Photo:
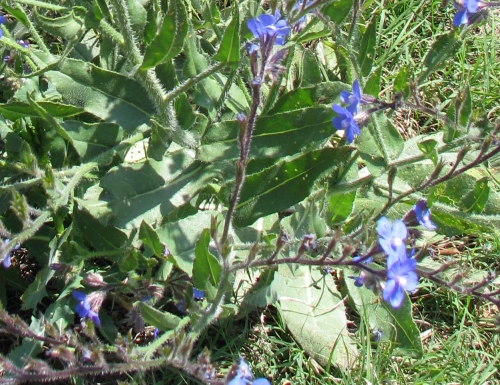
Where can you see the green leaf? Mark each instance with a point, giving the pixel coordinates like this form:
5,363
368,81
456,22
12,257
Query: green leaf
29,347
150,238
379,143
49,119
182,236
311,305
137,14
367,48
372,86
16,110
264,292
340,206
443,48
311,73
428,148
206,267
66,26
396,325
464,101
401,81
102,238
475,201
128,262
162,320
281,186
273,137
90,140
337,11
170,40
323,93
108,328
105,94
229,50
37,289
149,190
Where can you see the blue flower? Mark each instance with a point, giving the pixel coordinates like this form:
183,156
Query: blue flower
467,7
83,308
344,121
423,215
268,27
2,20
400,277
353,99
391,238
244,376
198,294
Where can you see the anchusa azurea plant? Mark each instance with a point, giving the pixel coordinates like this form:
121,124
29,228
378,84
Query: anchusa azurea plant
168,167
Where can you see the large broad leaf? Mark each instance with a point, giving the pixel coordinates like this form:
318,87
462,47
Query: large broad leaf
181,237
311,73
264,291
314,313
281,186
169,41
475,201
149,190
105,94
102,238
229,50
340,206
206,267
273,137
90,140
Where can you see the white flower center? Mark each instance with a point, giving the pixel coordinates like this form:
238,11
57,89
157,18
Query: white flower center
402,281
397,242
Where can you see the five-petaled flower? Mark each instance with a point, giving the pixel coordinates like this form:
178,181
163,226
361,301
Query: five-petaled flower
401,276
391,237
269,27
462,16
353,99
83,308
344,121
423,215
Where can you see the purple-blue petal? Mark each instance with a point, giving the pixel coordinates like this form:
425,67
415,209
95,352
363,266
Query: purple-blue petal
2,19
399,229
352,108
339,110
198,294
384,228
392,259
81,309
6,261
349,134
344,96
95,318
407,266
261,381
471,5
397,297
79,295
237,381
280,40
460,18
389,289
356,91
337,122
411,281
267,20
355,127
253,25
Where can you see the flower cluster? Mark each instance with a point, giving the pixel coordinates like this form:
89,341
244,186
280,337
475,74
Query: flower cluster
400,273
244,376
269,28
